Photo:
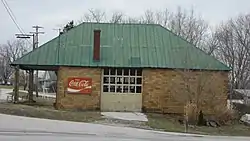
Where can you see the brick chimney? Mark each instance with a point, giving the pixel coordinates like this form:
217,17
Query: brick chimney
96,51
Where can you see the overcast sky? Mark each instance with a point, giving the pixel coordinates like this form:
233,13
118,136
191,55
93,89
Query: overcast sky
53,13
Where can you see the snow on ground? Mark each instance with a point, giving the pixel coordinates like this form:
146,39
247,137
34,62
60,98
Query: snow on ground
4,94
136,116
46,95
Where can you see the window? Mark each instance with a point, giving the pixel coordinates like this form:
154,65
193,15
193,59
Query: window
105,88
106,71
105,80
112,88
112,80
125,80
122,80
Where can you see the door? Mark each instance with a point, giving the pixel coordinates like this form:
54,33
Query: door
121,90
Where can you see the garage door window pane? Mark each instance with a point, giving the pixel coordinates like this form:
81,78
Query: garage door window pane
132,72
112,71
125,89
138,81
112,88
105,88
119,71
139,72
126,80
106,71
126,72
106,80
138,89
119,89
132,80
119,80
112,80
132,89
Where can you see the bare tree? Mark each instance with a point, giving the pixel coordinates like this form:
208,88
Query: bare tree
94,15
183,23
9,52
149,17
211,45
117,17
5,69
233,39
133,20
188,26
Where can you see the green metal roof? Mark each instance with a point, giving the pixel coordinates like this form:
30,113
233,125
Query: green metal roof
122,45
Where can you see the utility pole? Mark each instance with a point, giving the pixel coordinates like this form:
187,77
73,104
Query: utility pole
36,46
31,72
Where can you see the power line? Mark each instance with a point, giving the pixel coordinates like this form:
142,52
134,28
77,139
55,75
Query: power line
12,13
12,16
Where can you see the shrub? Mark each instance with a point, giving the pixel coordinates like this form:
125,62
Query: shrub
225,116
201,120
191,113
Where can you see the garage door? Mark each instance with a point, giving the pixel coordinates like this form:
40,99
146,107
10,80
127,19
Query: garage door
121,90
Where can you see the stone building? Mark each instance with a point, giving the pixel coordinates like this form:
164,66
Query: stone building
129,67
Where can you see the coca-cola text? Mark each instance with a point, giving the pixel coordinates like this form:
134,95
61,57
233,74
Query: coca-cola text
77,83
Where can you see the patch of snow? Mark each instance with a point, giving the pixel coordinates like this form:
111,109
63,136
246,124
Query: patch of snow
246,119
234,101
47,95
136,116
4,94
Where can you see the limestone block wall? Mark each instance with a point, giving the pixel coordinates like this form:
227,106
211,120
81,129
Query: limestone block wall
167,91
78,101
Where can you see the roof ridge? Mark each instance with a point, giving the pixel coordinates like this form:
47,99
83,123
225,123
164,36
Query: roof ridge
122,23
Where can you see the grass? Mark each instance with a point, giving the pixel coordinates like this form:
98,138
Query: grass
170,124
43,108
39,111
6,87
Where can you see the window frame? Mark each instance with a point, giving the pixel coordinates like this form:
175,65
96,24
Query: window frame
125,87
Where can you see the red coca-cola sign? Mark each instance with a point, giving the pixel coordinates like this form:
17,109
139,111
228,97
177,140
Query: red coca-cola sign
79,85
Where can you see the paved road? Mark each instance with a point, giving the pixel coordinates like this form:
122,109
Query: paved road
14,128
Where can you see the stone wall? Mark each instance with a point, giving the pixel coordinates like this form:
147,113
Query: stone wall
167,91
78,101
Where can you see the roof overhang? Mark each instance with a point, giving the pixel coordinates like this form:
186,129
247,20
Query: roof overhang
36,67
